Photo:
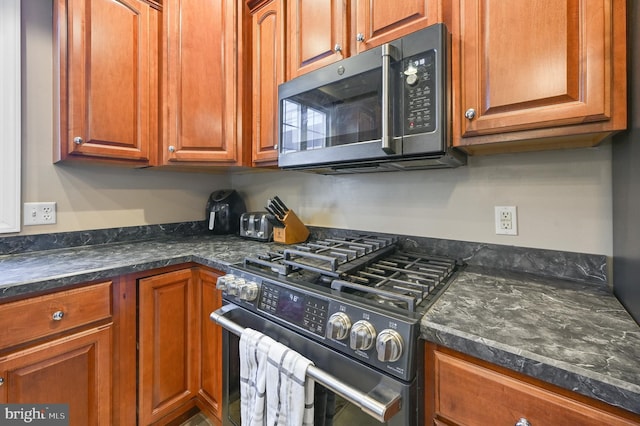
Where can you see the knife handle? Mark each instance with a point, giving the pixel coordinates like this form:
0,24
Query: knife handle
276,208
282,205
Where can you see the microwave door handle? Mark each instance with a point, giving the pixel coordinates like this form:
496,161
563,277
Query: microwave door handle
387,53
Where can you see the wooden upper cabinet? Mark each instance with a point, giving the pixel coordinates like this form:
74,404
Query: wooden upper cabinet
320,32
200,77
106,79
538,69
317,34
380,21
267,30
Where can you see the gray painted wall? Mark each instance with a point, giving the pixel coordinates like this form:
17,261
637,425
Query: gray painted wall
626,183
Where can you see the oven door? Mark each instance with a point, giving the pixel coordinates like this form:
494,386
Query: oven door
361,395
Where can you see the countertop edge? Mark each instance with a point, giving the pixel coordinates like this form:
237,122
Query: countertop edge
24,289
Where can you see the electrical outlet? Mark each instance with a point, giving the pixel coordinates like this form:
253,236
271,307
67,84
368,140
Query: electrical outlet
506,220
39,213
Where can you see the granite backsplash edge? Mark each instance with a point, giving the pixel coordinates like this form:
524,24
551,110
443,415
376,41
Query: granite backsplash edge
581,267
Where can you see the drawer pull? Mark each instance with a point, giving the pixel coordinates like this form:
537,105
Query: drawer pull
57,315
523,422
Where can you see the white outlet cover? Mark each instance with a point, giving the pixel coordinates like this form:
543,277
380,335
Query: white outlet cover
39,213
502,228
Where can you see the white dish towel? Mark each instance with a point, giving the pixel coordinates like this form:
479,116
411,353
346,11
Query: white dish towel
254,350
289,390
273,376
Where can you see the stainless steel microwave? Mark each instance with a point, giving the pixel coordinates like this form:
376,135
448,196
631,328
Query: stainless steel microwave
385,109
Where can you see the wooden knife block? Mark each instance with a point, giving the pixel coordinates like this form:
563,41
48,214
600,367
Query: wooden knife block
293,232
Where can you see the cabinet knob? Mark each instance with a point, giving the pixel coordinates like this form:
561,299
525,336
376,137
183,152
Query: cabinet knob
337,48
77,140
57,316
172,148
360,37
523,422
1,381
470,114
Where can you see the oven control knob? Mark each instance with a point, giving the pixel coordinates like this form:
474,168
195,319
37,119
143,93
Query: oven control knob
223,280
363,335
233,286
338,326
248,291
389,345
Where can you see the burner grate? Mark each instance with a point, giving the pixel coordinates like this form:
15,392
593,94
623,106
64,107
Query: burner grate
366,266
270,260
332,257
404,280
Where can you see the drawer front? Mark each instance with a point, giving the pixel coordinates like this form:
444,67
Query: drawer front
37,317
468,394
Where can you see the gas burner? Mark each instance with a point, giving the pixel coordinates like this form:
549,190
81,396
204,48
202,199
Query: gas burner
388,301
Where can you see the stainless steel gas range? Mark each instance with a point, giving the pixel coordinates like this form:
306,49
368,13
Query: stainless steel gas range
352,306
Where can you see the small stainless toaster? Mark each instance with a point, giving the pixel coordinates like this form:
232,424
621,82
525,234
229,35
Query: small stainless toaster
256,226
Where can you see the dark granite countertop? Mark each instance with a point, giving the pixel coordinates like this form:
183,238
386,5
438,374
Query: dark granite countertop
25,273
576,336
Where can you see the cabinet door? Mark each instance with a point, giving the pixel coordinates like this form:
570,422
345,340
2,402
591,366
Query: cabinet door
537,65
200,80
460,388
379,21
316,33
74,370
268,72
107,87
168,333
211,341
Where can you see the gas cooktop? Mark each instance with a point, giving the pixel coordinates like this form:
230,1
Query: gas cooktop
369,267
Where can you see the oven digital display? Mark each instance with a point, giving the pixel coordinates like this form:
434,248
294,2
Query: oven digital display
302,310
291,306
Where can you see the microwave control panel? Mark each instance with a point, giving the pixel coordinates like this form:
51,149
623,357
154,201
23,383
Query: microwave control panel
419,80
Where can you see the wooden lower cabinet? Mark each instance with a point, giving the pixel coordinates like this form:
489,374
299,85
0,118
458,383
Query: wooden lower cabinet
74,370
178,354
57,349
138,349
461,390
168,333
210,393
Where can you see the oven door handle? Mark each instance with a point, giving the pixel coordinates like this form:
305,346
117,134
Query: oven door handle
381,411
